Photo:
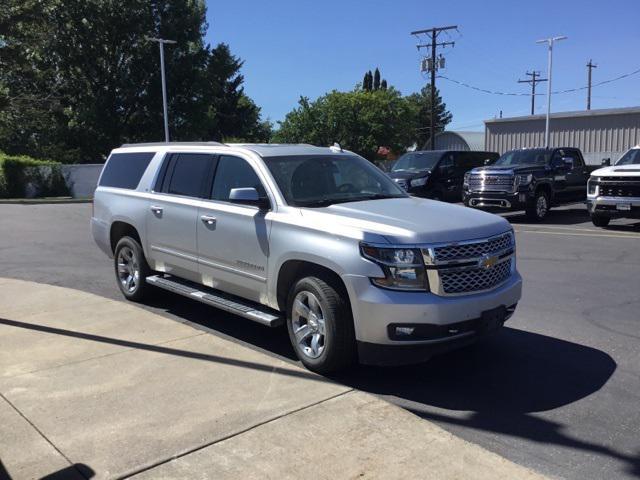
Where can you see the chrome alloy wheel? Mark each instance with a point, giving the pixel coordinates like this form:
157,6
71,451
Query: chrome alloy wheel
128,269
541,206
307,320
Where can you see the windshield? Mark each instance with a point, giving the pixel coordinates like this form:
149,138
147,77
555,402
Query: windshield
416,161
318,181
632,157
524,157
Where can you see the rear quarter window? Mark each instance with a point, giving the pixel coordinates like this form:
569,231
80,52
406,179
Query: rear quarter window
124,170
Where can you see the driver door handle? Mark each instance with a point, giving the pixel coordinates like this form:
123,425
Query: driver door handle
208,219
155,209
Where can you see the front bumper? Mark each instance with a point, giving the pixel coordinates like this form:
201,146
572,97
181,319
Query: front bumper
441,323
608,206
497,200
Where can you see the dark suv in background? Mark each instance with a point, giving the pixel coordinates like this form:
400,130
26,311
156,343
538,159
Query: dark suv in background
532,180
437,174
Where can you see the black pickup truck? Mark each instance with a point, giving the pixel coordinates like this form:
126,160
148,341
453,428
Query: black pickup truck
532,180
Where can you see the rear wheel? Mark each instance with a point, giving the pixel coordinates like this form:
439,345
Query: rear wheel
131,269
600,220
320,325
538,209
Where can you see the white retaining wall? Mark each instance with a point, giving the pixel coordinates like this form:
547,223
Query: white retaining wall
82,179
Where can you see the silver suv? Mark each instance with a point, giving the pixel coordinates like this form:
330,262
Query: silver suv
317,238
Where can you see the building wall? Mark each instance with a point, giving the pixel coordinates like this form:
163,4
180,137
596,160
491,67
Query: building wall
462,141
597,135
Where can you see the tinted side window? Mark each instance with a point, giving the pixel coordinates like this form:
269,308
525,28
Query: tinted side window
234,172
124,170
189,174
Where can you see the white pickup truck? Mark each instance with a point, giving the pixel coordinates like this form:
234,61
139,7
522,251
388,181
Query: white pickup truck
614,191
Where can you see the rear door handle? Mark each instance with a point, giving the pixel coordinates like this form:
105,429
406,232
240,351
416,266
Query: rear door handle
208,219
155,209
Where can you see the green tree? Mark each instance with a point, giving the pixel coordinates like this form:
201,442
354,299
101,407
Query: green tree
421,105
359,120
78,77
376,80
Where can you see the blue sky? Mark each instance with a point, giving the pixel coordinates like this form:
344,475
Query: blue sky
304,47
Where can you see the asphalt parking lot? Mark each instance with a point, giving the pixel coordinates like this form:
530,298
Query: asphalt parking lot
557,390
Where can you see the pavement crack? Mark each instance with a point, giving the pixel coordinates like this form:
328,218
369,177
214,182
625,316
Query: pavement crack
44,437
235,434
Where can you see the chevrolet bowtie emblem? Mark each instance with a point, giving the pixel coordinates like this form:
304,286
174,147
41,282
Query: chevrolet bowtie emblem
487,261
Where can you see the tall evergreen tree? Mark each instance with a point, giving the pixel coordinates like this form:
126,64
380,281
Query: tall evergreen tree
421,102
383,84
376,80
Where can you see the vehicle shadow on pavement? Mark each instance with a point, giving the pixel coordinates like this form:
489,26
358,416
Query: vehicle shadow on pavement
497,385
573,215
78,471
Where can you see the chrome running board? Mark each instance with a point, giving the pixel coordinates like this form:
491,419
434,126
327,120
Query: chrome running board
215,298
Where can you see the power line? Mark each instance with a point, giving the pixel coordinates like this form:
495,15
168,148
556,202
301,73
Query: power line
433,35
535,78
514,94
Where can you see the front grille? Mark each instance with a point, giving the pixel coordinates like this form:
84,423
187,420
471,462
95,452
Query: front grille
474,250
491,182
470,267
475,280
401,182
619,190
621,179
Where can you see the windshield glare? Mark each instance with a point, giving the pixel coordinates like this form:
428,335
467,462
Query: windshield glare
524,157
415,161
311,180
632,157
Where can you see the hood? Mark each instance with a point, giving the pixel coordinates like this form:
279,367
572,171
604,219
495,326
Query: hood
406,175
509,169
407,221
621,171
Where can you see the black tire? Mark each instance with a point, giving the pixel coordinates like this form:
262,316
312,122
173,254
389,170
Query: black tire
600,220
338,342
534,210
137,268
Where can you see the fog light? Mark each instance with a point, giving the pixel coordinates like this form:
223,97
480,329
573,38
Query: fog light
404,331
523,197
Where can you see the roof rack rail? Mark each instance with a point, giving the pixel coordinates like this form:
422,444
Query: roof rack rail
160,144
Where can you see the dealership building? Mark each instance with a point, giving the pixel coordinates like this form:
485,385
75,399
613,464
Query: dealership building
599,134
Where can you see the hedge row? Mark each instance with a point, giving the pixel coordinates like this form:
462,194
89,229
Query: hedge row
22,176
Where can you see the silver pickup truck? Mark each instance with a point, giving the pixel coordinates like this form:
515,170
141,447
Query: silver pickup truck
317,238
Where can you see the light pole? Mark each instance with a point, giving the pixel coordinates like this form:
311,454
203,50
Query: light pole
549,41
161,42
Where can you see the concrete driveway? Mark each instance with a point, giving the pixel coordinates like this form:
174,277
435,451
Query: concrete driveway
94,388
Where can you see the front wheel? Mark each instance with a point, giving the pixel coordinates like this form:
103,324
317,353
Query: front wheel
320,325
538,209
131,269
600,220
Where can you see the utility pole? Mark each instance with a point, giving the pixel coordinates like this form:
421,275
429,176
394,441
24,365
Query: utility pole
549,41
535,78
590,66
433,34
161,42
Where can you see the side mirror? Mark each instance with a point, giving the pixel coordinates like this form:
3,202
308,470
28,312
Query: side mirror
559,163
248,196
606,162
568,161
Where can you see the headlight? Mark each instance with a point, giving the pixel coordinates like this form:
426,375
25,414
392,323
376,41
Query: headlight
465,182
524,179
592,185
403,267
419,182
